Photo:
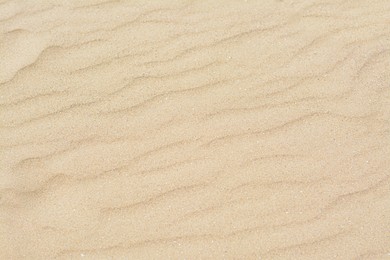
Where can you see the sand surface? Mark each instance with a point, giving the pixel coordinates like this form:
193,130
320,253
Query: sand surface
195,129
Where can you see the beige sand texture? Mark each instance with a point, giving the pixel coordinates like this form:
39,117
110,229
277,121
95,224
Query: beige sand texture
195,129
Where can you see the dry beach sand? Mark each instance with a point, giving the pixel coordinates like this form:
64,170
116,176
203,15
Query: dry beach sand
195,129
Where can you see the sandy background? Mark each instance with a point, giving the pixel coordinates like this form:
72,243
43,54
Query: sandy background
195,129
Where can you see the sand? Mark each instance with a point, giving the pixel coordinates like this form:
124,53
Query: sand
195,129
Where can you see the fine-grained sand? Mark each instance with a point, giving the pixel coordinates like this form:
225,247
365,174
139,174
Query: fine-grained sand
195,129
